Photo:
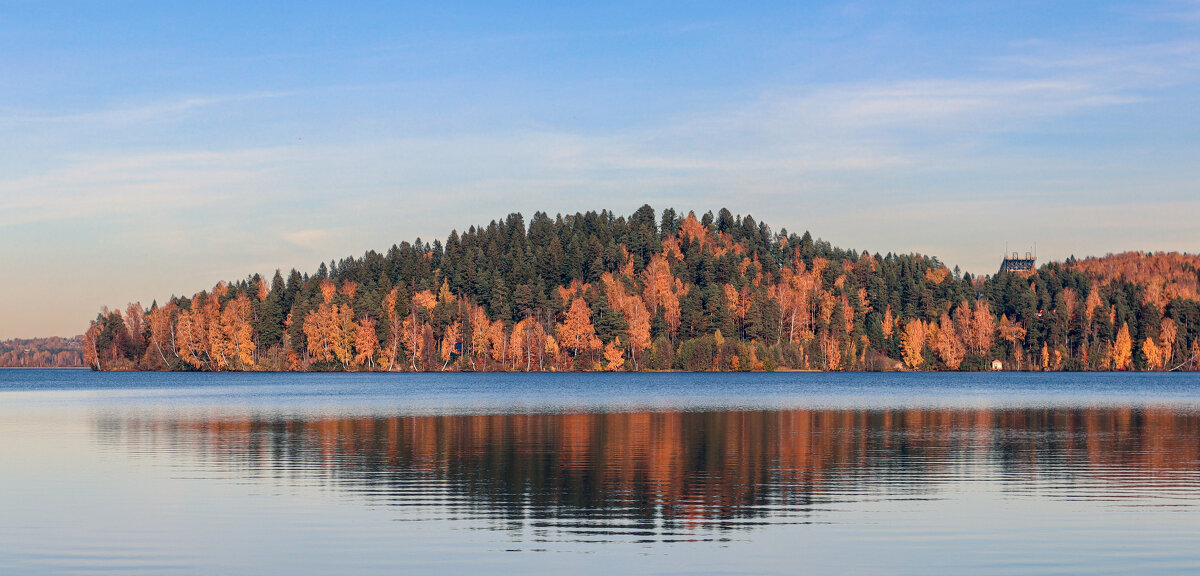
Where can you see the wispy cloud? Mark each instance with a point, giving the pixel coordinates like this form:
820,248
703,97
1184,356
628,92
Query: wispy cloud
133,184
961,104
147,112
784,140
775,142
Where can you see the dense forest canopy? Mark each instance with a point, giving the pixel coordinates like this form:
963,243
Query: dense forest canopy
597,291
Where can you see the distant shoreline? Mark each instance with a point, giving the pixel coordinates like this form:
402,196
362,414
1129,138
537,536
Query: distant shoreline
45,368
582,372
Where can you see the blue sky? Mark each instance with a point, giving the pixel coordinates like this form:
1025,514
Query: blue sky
151,149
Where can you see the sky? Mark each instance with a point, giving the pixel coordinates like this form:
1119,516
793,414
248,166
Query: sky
151,149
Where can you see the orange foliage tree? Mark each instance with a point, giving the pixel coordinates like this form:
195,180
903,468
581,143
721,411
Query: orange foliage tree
982,329
1122,349
237,333
576,332
912,343
366,343
947,344
450,343
1154,355
614,356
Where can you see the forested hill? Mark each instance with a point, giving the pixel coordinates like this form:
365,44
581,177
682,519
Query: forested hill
598,291
54,352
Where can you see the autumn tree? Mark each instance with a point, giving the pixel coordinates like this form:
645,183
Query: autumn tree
236,332
162,334
576,332
343,332
1013,333
1153,354
366,343
947,344
662,291
614,356
191,338
635,314
413,336
395,329
450,343
1122,349
91,352
981,330
912,343
320,331
832,352
1168,332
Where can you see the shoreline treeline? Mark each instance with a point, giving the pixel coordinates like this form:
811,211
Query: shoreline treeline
596,291
52,352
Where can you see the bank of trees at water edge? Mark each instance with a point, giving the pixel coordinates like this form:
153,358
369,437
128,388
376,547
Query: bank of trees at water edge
596,291
52,352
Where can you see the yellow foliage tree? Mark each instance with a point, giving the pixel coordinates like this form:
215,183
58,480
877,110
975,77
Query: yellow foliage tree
424,300
1012,332
219,347
343,334
833,353
1154,355
1167,334
412,337
366,343
237,332
450,343
391,350
947,344
162,339
498,341
576,332
614,357
663,290
1122,349
191,340
327,290
479,335
552,350
912,343
319,326
982,330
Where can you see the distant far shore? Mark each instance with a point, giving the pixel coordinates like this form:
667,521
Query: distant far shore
50,368
780,370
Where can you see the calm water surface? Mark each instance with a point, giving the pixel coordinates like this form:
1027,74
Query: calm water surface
596,474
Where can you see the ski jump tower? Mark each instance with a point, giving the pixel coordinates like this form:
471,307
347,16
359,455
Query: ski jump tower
1016,264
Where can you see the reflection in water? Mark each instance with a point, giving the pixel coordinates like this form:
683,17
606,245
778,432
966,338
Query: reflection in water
663,476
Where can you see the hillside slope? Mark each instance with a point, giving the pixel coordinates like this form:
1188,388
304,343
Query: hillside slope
596,291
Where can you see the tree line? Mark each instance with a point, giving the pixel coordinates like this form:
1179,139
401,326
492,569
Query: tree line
598,291
53,352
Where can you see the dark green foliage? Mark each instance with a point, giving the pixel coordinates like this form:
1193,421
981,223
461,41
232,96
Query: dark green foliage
514,270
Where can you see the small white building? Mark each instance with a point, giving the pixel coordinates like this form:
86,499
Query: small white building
997,365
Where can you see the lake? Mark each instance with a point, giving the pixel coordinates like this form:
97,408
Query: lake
780,473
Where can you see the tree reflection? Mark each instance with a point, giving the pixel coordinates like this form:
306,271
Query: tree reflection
662,473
